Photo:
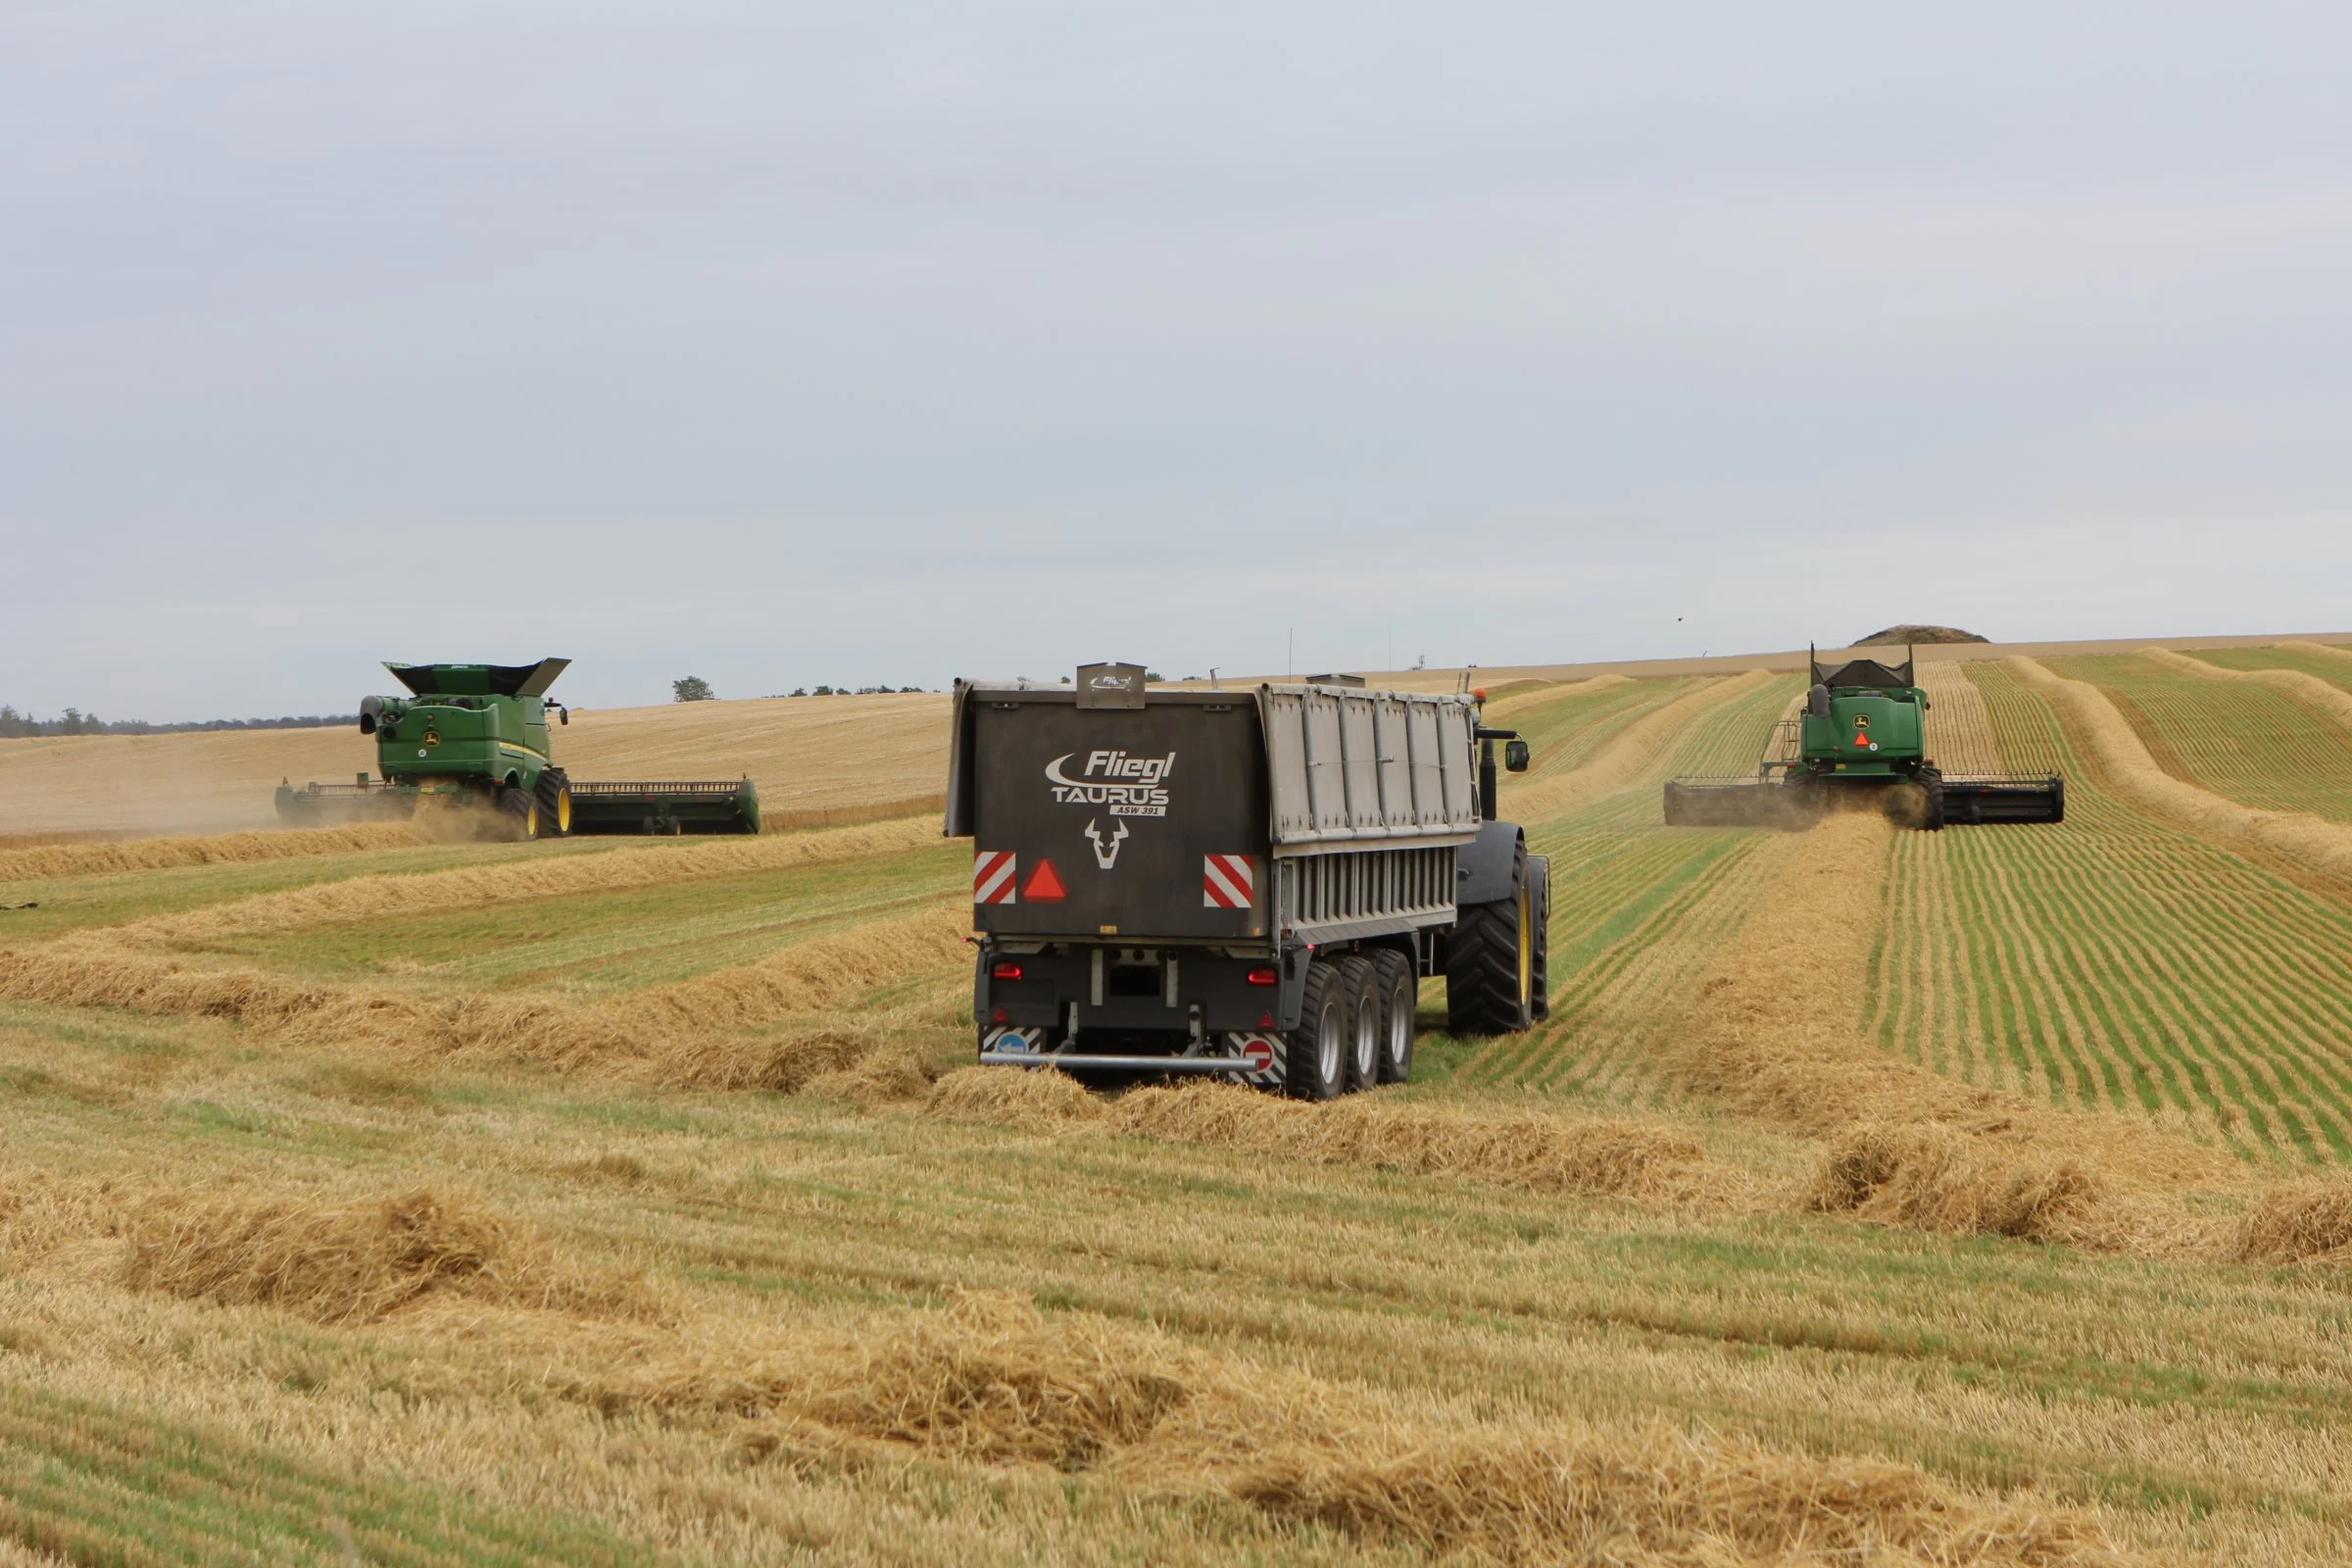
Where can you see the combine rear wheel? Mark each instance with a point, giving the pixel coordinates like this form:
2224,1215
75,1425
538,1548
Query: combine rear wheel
554,801
1400,993
1315,1053
1490,961
522,812
1931,780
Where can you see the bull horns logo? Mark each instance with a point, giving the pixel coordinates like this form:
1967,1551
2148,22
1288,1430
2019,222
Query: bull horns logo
1106,854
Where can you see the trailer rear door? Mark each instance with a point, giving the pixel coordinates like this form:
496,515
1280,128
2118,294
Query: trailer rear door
1141,823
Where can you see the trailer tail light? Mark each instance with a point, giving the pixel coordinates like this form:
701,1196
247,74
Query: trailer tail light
1264,975
1004,969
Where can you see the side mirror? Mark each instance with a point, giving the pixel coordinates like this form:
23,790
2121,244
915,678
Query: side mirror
1514,757
562,715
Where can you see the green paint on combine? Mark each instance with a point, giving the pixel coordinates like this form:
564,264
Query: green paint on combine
1864,728
475,738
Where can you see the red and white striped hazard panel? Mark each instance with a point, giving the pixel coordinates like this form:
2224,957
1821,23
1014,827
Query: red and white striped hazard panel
1228,881
992,876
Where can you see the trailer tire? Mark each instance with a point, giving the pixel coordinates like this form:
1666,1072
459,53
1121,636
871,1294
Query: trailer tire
1490,961
522,808
1315,1055
555,803
1400,991
1363,1023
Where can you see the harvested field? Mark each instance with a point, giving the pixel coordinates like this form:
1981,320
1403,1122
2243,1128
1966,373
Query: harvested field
1868,1196
817,759
2262,739
2123,960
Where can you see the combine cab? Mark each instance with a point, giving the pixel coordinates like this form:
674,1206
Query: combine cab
474,737
1864,729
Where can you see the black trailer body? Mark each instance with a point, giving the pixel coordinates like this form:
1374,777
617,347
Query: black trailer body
1173,880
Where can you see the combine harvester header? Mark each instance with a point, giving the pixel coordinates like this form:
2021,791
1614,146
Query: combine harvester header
1864,728
477,735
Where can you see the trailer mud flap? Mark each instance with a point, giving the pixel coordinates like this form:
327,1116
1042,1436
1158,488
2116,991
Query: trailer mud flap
1263,1053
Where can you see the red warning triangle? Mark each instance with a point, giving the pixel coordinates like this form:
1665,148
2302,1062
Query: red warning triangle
1044,884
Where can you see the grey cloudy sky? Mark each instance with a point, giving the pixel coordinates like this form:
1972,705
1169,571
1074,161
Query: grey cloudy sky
783,343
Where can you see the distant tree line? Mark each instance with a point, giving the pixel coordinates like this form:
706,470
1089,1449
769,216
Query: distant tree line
695,689
15,725
846,691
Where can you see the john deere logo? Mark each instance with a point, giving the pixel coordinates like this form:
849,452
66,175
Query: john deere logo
432,737
1860,723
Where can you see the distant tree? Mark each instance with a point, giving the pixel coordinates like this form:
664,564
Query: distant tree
800,691
693,689
1154,674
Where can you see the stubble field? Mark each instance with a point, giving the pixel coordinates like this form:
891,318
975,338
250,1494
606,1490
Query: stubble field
1868,1196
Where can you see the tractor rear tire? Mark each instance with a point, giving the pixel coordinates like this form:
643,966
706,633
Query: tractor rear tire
1400,991
521,810
555,803
1490,959
1538,905
1363,1023
1315,1055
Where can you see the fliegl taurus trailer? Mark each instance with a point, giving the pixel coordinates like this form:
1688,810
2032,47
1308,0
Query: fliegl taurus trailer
1248,884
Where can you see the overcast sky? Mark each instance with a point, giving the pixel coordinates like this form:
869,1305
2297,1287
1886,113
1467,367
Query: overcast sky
782,343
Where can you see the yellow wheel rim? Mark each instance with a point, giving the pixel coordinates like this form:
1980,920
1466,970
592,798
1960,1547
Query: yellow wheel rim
531,821
1527,950
562,810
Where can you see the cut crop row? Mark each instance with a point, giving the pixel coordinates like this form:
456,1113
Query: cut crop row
2119,961
1634,906
2239,739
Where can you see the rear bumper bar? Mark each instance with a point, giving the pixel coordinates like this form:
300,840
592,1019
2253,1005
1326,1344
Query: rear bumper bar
1085,1063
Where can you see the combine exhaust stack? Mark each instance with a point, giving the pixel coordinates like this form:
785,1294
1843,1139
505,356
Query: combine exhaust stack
1864,729
702,805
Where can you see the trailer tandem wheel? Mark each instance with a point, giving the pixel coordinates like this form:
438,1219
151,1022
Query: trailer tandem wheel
1400,993
1363,1025
1315,1053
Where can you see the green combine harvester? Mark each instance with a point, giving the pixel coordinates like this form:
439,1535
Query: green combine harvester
1864,728
476,737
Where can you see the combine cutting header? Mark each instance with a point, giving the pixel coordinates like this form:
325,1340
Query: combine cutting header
477,735
1864,727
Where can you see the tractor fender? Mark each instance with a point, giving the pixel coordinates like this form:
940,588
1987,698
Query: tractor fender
1482,870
